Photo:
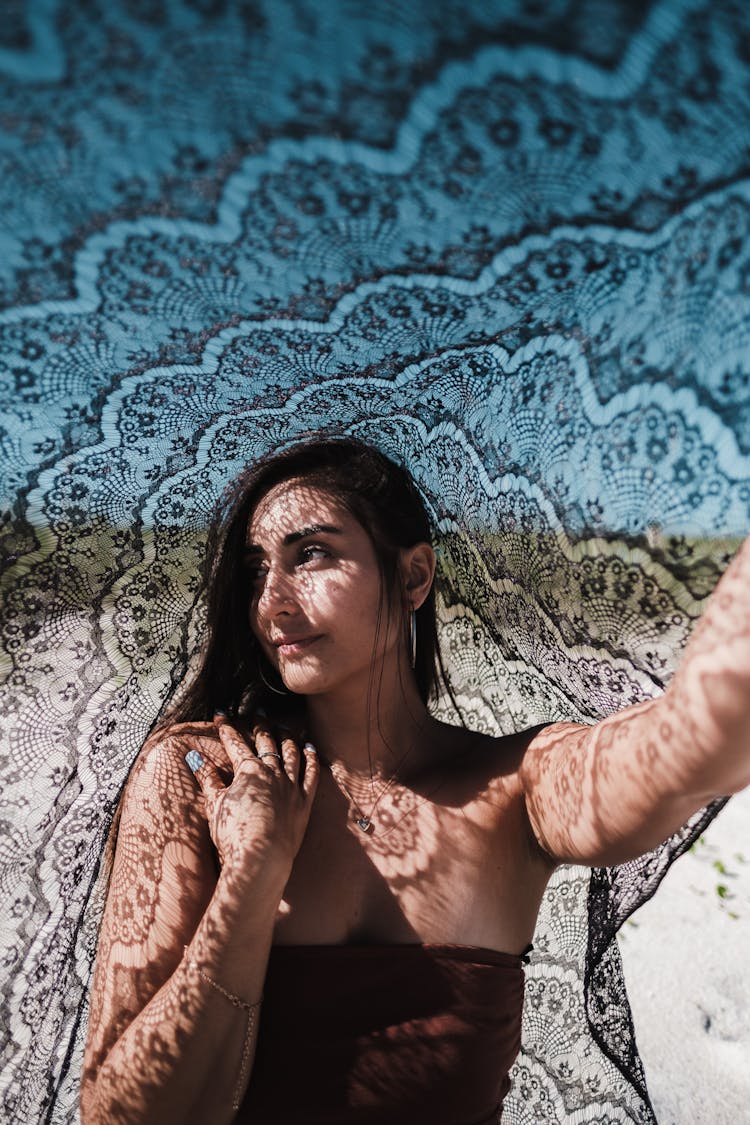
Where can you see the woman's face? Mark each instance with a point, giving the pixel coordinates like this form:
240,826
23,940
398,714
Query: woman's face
316,591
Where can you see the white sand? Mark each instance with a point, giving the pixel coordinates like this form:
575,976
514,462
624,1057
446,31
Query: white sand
687,964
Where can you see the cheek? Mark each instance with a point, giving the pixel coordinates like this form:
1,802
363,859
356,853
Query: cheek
352,594
324,595
365,609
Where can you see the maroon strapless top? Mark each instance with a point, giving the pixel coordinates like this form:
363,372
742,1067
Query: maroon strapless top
403,1034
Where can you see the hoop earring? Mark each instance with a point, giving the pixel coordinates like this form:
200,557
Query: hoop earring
413,637
275,690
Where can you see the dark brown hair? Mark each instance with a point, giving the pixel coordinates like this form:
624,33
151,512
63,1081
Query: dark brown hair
233,674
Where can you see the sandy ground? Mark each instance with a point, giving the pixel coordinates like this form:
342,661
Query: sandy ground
687,964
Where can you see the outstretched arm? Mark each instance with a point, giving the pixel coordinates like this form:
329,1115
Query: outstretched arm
603,794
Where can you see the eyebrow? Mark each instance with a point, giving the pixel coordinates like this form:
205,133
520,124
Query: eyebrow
295,536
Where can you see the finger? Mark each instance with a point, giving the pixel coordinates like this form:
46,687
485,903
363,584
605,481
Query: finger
290,754
312,770
209,746
266,748
205,773
237,748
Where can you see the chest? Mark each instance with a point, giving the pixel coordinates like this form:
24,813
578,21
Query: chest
434,868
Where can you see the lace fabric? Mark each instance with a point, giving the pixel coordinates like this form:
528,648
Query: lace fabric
506,242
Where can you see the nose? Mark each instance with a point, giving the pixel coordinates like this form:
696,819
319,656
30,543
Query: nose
276,595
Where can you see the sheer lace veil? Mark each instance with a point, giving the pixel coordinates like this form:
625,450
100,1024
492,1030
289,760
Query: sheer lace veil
505,242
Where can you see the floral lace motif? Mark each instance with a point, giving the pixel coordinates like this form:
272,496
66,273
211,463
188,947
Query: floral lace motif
507,242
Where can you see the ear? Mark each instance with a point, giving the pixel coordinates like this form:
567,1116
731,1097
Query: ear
417,566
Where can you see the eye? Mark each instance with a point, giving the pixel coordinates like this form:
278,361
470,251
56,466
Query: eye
255,571
311,552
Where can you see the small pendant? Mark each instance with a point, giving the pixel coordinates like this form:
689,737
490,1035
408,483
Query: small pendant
364,823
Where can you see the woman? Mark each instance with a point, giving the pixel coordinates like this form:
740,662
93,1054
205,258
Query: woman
369,873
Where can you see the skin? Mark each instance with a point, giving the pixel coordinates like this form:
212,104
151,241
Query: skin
254,851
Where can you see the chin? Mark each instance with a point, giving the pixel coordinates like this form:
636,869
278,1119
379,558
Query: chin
303,683
312,683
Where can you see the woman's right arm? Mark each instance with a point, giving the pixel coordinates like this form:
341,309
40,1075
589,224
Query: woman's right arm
166,1043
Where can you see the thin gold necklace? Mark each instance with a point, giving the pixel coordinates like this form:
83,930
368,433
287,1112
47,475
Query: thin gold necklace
365,821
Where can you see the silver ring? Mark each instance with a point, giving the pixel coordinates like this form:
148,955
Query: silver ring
270,754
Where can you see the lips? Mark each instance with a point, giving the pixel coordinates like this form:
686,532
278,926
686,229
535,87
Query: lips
290,646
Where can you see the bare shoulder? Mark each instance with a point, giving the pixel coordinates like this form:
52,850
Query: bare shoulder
484,765
489,789
162,807
171,743
160,767
161,828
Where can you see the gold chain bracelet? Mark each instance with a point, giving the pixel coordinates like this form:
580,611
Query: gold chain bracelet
251,1010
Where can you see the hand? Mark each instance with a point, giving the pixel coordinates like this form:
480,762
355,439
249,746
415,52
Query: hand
257,820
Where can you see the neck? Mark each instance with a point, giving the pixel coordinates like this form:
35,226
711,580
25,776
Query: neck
369,734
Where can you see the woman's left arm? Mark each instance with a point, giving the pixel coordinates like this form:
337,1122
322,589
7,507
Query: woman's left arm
603,794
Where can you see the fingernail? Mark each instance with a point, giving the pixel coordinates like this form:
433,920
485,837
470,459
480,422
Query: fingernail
194,760
309,746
